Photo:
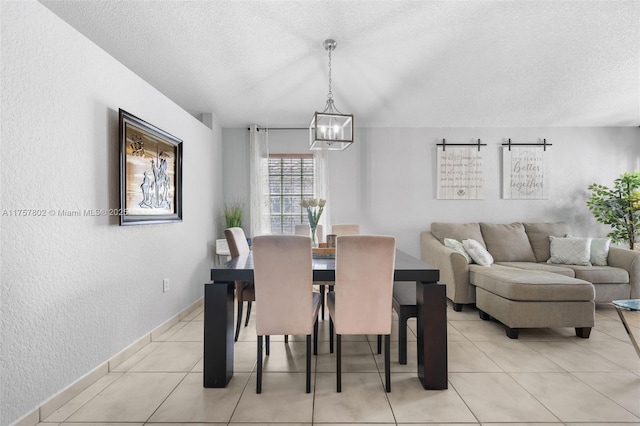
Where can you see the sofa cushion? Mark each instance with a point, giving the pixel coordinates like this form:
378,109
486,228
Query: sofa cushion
570,251
601,274
457,231
538,234
507,243
549,267
479,254
518,284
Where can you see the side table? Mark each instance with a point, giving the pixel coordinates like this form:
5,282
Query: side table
628,305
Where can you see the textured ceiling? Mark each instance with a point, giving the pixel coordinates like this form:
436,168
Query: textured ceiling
398,63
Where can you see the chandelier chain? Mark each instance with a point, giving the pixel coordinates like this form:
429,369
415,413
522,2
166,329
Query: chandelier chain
330,94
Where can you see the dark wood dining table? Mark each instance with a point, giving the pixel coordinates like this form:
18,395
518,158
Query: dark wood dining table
431,320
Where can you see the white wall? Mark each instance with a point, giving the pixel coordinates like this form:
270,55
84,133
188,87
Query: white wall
386,180
235,179
77,290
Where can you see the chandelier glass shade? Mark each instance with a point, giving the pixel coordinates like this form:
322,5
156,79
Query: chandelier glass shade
330,129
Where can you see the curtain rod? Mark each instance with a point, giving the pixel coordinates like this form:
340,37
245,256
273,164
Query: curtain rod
280,128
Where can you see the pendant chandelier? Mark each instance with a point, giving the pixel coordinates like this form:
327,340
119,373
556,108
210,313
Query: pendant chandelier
330,129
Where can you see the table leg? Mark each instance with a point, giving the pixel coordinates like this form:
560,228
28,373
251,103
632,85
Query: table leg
626,327
432,335
218,334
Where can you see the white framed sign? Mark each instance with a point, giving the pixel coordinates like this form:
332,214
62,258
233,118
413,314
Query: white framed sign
524,173
460,173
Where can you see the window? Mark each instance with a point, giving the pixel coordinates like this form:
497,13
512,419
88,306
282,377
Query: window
290,180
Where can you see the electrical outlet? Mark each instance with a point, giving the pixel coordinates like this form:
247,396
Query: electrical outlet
165,285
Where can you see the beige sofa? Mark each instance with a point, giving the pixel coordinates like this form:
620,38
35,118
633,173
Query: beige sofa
520,289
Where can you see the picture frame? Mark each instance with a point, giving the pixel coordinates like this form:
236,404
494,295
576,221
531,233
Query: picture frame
150,173
525,173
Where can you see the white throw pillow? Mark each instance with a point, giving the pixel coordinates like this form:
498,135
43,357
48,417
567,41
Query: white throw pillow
570,251
478,253
600,251
457,246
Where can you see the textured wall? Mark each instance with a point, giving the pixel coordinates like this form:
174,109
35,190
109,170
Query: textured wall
386,180
76,290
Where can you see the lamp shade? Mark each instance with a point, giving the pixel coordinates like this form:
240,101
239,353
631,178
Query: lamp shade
330,130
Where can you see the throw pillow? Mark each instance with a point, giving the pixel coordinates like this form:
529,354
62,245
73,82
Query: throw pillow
457,246
478,253
600,251
570,251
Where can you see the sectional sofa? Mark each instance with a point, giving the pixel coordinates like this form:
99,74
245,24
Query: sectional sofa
532,274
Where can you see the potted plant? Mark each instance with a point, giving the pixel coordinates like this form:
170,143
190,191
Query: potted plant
619,207
233,215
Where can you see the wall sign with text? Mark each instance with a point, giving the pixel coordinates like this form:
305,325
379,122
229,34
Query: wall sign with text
460,173
524,173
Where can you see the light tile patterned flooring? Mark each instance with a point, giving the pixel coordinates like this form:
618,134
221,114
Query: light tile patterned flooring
546,377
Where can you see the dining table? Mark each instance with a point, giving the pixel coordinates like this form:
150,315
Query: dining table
431,321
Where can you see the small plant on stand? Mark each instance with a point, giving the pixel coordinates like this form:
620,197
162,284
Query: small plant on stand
233,215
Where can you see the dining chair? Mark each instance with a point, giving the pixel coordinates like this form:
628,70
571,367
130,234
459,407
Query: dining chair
345,229
286,303
349,229
361,301
305,230
245,292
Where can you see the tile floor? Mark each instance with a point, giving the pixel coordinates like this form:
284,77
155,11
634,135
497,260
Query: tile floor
546,377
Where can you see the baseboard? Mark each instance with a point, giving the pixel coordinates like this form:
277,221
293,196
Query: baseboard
28,419
124,354
56,401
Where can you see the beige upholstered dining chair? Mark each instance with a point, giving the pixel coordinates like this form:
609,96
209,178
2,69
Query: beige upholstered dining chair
305,231
361,302
346,229
237,241
286,303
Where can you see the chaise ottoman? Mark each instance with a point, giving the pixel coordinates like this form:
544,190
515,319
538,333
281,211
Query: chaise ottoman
529,298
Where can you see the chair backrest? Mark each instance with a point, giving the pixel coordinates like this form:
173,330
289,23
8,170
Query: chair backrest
283,279
237,241
364,284
305,231
346,229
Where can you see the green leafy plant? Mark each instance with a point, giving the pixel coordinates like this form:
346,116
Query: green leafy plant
619,207
233,215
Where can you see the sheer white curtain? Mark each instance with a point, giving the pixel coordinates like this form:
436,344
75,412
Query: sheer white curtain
321,181
259,181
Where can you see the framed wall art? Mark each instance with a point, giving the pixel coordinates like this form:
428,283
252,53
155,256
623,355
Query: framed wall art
460,171
150,173
524,171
